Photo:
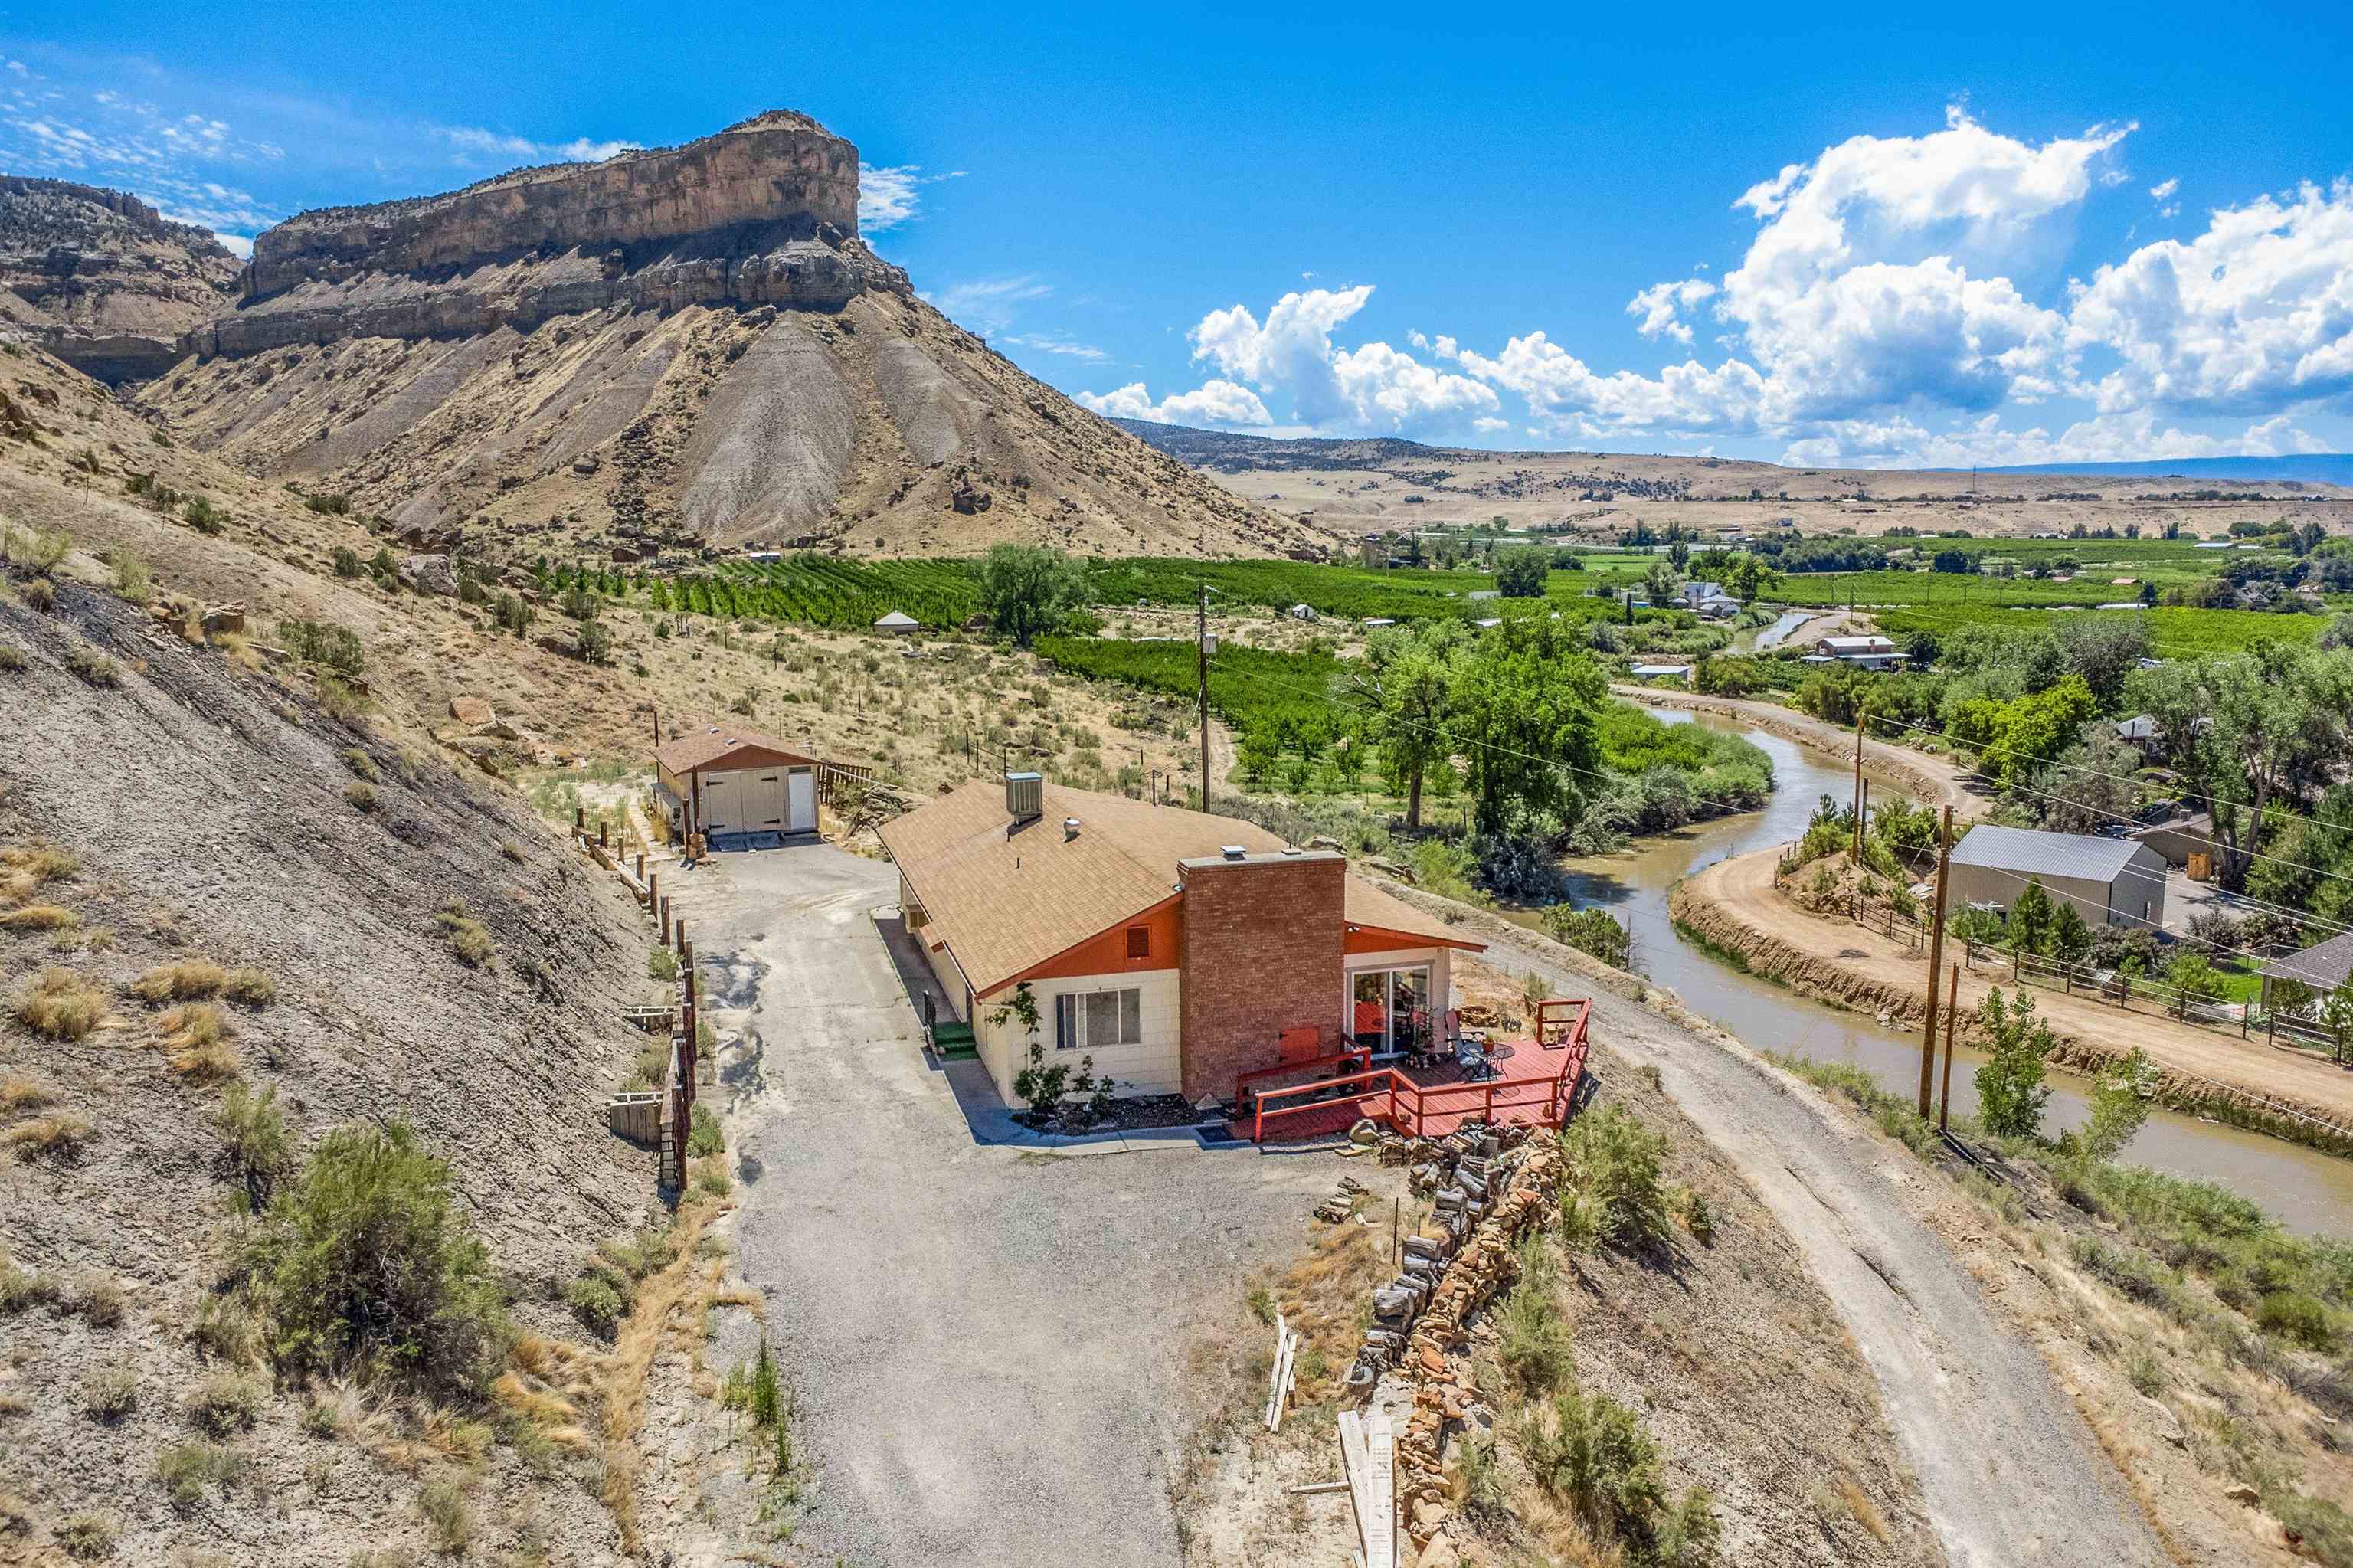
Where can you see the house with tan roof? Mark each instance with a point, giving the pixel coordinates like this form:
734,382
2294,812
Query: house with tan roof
1178,949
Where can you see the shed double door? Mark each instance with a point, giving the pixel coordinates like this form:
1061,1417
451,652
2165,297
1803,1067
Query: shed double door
760,801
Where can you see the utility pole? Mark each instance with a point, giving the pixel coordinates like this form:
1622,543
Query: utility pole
1952,1012
1857,850
1201,646
1936,962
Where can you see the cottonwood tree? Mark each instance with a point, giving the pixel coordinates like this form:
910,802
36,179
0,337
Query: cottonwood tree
1745,577
1524,714
1404,691
1520,574
2250,732
1028,589
2091,784
2010,1091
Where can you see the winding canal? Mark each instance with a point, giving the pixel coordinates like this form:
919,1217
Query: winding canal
2310,1192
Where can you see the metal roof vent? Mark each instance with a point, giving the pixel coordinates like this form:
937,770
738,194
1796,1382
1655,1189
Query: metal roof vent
1069,829
1025,797
1232,852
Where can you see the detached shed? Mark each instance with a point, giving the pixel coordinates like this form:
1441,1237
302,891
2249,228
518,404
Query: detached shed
735,781
2111,881
898,623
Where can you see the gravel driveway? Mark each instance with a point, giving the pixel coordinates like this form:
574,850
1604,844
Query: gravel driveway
982,1339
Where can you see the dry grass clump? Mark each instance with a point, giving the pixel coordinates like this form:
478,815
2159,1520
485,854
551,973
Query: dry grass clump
59,1136
198,1039
19,1093
93,667
87,1537
59,1004
467,938
38,863
108,1391
183,980
40,917
250,986
99,1301
225,1401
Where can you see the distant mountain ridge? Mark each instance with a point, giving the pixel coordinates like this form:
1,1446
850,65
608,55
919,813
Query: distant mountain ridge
2298,468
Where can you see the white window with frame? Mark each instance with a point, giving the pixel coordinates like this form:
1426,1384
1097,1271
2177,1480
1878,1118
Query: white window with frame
1098,1020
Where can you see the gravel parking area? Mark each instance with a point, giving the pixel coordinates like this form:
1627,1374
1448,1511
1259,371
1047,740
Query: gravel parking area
982,1340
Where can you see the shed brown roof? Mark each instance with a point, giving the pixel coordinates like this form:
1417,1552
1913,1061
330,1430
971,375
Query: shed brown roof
698,749
1007,898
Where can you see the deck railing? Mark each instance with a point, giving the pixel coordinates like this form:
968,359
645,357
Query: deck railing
1386,1094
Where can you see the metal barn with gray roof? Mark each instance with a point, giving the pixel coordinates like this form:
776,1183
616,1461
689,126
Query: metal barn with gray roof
2111,881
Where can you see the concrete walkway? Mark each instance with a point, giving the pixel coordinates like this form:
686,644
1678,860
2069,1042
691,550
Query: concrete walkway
979,1326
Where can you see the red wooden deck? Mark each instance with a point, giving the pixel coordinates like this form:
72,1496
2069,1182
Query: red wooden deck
1536,1081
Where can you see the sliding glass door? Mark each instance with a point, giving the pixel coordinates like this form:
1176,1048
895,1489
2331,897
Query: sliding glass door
1388,1009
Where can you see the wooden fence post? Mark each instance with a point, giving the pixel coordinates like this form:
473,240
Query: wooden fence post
693,1012
664,906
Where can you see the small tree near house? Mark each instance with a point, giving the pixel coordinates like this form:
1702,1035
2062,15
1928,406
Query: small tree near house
2011,1090
1042,1085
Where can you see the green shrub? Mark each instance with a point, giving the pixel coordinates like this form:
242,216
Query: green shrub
204,516
254,1144
704,1138
661,964
87,1537
348,562
188,1468
333,648
225,1401
360,763
364,1258
596,1300
467,938
1591,930
109,1391
1613,1180
362,796
2291,1315
446,1515
1536,1350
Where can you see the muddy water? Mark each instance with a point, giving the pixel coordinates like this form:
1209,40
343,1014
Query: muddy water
2312,1193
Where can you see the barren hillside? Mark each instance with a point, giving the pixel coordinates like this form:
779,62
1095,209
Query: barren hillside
217,888
668,351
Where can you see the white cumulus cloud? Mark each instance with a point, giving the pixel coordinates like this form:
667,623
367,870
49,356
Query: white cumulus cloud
2251,316
475,145
1214,403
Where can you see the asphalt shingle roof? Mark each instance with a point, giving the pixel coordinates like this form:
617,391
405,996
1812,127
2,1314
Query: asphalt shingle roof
2029,852
2323,966
1006,896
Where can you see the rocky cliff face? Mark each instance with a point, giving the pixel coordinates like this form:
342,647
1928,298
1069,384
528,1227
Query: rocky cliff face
765,212
676,350
103,280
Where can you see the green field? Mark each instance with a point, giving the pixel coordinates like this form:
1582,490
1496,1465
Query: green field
2175,633
838,594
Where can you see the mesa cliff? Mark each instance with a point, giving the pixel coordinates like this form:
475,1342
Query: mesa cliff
103,280
678,350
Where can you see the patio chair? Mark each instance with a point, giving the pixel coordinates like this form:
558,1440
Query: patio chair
1471,1056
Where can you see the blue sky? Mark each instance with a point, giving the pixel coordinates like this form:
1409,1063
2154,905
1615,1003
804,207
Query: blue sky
2012,234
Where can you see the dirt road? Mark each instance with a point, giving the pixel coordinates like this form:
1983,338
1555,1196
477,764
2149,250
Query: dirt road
1937,780
1735,905
2009,1471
